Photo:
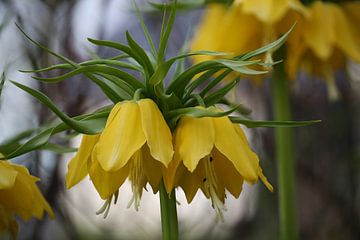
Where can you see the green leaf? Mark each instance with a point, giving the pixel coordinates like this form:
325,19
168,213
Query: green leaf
126,49
196,112
214,82
216,96
111,90
42,135
56,148
86,63
131,80
59,56
149,70
240,66
273,46
256,123
145,29
165,33
88,127
197,82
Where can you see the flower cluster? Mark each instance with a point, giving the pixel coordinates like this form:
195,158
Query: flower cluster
19,197
325,35
136,144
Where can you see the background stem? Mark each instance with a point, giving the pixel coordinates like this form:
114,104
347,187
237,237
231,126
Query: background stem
284,152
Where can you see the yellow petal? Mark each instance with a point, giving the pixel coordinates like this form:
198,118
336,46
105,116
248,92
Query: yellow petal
7,175
40,204
152,169
106,183
226,173
233,147
319,30
347,38
77,168
191,182
171,174
121,138
268,11
157,132
194,140
219,31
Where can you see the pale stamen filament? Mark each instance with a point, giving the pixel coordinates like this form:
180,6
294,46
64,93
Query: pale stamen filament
210,183
136,178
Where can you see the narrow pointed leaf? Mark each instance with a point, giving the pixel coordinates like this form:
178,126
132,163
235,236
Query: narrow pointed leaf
256,123
88,127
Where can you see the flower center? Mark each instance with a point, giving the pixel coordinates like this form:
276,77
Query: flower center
136,177
211,188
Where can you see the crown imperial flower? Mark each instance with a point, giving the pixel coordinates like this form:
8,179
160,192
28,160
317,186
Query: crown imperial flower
212,154
135,143
19,196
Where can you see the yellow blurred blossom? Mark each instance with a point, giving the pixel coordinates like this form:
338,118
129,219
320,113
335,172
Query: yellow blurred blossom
136,143
325,36
19,197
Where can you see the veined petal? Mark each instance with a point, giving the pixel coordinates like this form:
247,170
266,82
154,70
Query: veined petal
226,173
319,30
77,168
194,140
152,169
106,183
7,175
121,138
157,132
232,146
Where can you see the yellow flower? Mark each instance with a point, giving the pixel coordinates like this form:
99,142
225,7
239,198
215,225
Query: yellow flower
135,144
325,35
19,196
212,154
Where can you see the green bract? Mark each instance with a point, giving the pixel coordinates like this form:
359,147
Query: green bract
178,98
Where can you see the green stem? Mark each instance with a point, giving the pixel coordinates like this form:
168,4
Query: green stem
284,153
169,221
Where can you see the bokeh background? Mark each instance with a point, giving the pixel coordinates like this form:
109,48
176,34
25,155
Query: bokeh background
327,154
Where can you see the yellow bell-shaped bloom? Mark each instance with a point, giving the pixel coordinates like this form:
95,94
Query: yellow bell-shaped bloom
212,154
19,196
135,144
326,34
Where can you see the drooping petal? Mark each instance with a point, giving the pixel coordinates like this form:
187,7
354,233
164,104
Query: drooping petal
106,183
226,173
121,138
194,140
319,30
7,175
157,132
230,144
152,169
77,168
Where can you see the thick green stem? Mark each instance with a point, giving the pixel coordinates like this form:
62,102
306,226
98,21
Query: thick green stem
284,154
169,221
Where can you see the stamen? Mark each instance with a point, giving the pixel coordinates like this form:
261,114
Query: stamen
136,178
210,183
105,207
